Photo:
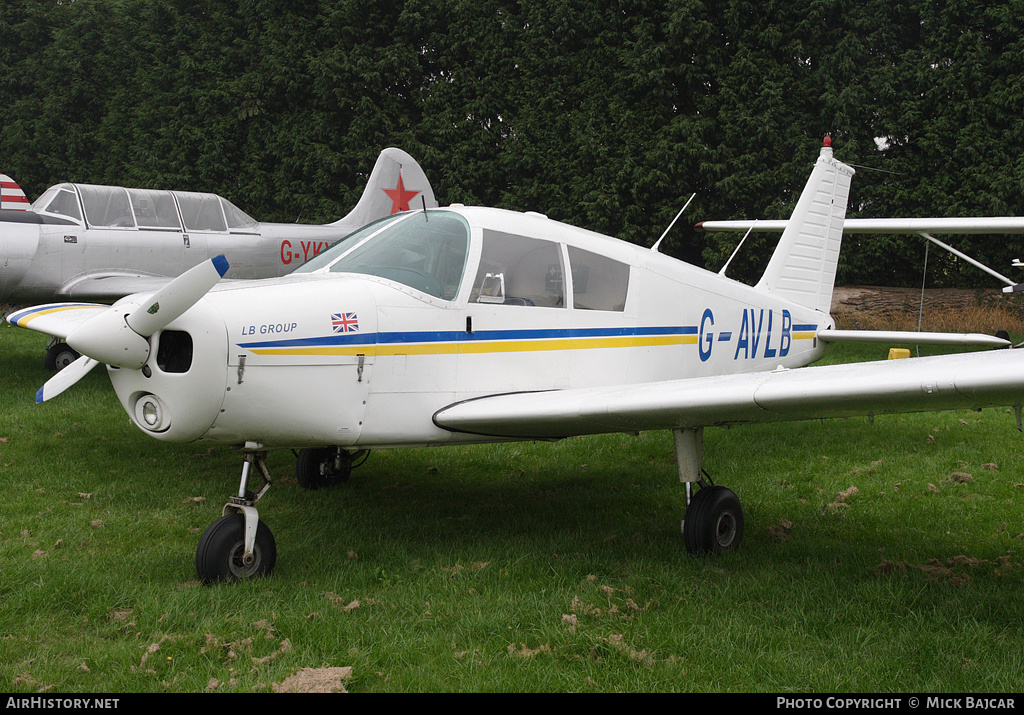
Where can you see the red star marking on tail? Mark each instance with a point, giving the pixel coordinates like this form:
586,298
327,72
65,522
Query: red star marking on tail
400,196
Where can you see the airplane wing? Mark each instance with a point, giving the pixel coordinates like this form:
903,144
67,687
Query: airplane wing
111,285
959,225
56,319
114,285
924,227
965,381
912,337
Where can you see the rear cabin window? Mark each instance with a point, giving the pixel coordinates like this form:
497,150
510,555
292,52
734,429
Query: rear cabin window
201,212
516,270
238,220
598,282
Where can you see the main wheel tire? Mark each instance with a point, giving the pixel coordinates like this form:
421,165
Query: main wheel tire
714,521
222,546
315,467
59,356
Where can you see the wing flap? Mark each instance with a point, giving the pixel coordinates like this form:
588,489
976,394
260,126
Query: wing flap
944,382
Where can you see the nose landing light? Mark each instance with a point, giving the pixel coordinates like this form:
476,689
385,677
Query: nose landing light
151,414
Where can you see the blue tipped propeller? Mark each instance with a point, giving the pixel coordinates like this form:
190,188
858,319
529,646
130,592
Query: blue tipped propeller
117,338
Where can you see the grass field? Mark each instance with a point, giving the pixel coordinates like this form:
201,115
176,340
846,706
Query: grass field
883,556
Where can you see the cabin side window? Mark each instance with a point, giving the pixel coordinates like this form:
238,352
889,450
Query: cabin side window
106,206
238,220
154,209
515,270
598,282
201,212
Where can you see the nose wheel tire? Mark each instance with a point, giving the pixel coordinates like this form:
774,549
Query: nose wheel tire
220,555
714,521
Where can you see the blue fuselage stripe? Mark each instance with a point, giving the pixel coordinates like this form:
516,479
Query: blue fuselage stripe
452,336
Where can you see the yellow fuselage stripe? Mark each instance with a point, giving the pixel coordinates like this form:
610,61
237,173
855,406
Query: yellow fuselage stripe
498,346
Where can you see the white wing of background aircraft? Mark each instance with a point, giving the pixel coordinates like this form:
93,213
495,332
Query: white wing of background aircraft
924,227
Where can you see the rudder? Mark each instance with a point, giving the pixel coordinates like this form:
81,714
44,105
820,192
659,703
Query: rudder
11,195
397,183
803,267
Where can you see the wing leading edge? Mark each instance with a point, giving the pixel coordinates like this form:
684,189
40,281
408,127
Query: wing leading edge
56,319
946,382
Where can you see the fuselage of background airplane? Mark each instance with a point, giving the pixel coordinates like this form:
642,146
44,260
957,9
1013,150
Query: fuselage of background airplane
88,242
43,254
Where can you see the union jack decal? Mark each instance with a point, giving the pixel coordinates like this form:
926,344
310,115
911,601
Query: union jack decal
345,322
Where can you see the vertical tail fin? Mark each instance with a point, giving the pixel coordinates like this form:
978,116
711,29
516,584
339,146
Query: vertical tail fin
397,183
803,267
11,195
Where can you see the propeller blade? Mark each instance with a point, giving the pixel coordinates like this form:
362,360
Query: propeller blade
65,378
119,336
177,296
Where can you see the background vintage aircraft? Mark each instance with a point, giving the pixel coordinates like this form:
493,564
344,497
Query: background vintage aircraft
462,325
85,242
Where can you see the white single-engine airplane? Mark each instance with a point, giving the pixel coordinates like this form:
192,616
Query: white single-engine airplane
84,242
462,325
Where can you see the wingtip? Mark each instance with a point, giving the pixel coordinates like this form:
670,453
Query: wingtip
39,396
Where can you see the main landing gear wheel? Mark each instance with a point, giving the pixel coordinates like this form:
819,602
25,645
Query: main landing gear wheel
59,356
714,521
220,555
319,467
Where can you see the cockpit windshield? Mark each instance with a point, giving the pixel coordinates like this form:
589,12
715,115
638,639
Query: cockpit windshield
425,250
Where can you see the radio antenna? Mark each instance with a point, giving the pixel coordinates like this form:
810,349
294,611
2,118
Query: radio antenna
658,242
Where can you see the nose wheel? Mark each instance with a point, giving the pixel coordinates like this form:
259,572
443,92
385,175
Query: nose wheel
238,545
222,554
